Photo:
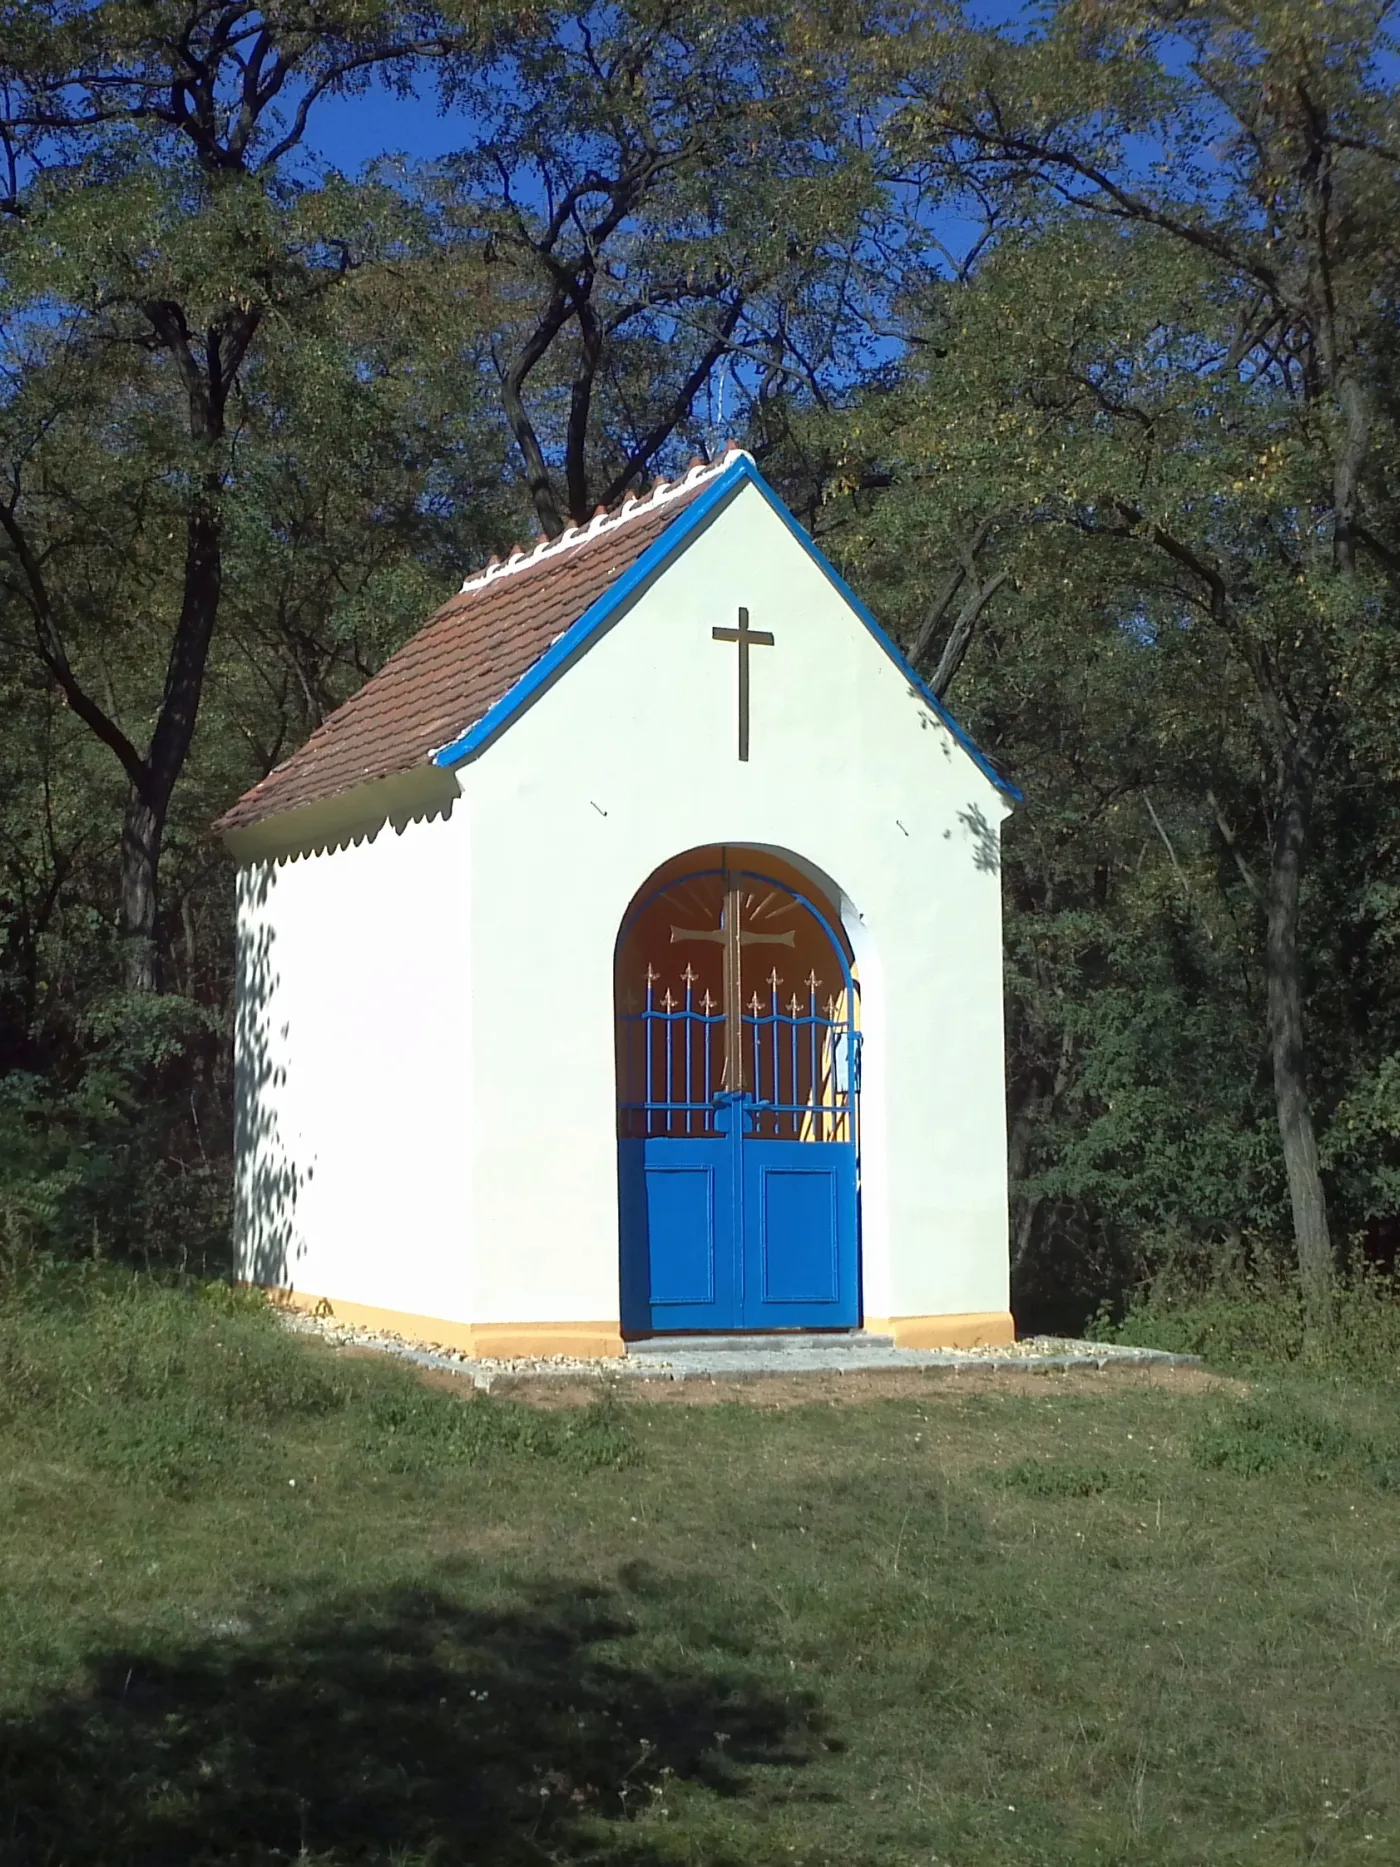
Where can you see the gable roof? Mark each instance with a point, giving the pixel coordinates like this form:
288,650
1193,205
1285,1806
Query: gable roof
491,648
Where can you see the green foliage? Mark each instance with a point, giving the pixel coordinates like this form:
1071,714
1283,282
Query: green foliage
659,196
1045,1480
1190,642
96,1163
1075,341
1260,1323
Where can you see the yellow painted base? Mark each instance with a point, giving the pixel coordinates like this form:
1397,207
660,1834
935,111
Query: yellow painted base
987,1329
584,1341
491,1341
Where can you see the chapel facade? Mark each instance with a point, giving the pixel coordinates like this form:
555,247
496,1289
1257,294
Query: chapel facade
624,960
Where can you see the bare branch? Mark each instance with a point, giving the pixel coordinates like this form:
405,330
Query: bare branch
1119,202
1232,843
967,552
958,643
661,431
536,470
53,655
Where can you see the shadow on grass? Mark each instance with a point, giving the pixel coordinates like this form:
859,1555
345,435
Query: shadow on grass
399,1727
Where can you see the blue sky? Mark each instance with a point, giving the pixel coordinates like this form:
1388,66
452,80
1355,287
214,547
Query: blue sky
350,131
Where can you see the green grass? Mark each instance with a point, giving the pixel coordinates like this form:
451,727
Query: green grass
261,1604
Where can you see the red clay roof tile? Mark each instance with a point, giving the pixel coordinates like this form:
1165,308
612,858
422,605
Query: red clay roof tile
463,660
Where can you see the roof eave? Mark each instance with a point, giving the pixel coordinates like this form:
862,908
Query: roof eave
345,816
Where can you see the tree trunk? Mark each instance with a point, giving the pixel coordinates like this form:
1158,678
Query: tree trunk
148,803
1039,1106
1286,1039
143,829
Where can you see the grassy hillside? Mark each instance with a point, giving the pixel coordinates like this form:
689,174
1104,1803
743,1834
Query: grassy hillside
263,1602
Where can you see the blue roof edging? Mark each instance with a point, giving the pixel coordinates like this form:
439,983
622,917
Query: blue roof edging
579,635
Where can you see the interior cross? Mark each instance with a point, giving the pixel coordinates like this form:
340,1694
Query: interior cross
731,935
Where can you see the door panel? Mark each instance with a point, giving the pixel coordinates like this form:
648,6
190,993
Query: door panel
678,1234
799,1243
783,1255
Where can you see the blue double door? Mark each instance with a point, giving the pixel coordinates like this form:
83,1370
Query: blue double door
733,1229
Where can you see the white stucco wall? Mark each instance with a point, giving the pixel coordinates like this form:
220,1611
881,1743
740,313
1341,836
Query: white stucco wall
629,759
427,1098
353,1091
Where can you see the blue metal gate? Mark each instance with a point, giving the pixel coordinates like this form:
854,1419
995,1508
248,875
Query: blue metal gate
738,1104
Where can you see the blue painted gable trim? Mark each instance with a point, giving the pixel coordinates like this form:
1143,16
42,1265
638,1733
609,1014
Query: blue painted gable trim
657,555
579,635
916,681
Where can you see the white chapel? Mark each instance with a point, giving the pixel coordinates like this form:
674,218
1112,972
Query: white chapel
624,960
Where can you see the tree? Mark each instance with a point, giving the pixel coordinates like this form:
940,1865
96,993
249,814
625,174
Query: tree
1241,157
368,475
159,235
668,198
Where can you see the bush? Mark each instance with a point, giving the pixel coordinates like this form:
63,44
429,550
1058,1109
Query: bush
1041,1480
1260,1323
109,1158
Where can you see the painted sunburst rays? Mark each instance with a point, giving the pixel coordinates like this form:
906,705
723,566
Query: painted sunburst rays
676,948
731,982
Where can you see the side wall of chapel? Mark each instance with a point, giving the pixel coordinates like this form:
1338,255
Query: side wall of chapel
353,1096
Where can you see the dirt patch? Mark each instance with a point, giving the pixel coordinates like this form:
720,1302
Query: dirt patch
806,1390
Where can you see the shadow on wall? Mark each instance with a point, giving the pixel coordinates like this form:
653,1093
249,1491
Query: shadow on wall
390,1727
986,844
982,834
267,1179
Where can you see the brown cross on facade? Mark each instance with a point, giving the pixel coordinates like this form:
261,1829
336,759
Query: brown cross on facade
746,638
731,935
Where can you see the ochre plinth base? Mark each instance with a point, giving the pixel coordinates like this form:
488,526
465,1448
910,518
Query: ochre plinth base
491,1341
509,1341
984,1329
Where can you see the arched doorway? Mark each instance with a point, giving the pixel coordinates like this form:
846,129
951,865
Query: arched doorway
738,1053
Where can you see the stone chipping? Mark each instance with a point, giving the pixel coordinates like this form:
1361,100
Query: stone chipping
711,1358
